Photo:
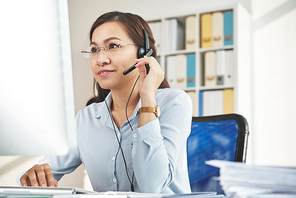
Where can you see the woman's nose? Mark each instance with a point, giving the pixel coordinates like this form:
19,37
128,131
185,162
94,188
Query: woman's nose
102,58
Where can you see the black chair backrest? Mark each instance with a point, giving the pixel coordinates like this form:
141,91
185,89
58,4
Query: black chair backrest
221,137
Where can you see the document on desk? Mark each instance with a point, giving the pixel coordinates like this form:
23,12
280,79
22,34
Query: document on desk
57,192
111,194
41,191
239,179
150,195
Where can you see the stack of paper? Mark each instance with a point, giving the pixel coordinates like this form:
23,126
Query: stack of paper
241,180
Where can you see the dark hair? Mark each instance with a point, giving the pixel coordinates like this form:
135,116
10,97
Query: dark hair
133,25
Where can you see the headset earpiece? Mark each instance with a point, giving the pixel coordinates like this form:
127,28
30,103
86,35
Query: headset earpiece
141,52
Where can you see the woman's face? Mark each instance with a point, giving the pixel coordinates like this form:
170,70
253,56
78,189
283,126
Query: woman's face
108,66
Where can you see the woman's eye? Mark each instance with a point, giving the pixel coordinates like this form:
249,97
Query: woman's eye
94,50
113,46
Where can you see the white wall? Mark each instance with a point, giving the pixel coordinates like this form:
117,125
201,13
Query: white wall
274,82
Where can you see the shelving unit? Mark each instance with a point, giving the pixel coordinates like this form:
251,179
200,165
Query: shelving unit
241,54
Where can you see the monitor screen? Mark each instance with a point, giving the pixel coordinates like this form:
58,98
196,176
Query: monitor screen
37,115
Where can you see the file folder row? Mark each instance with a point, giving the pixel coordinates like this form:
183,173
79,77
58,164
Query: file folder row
216,102
180,70
216,29
218,68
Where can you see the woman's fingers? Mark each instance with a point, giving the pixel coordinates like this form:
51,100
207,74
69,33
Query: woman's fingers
51,181
39,175
25,180
153,64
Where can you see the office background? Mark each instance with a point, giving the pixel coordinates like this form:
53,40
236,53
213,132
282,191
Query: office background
273,71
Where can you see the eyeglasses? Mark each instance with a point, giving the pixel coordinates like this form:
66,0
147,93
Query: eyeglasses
109,48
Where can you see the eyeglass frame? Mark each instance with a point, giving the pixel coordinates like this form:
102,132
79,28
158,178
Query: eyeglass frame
89,54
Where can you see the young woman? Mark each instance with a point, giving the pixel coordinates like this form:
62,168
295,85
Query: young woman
132,135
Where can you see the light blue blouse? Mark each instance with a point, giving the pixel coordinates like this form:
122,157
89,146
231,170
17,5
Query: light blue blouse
155,153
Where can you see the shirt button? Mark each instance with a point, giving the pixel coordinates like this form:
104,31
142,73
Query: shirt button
114,180
113,158
135,135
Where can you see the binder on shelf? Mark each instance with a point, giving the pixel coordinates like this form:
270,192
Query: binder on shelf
220,63
210,69
217,27
156,31
229,66
228,101
200,104
171,70
167,36
178,31
212,102
181,64
218,102
206,30
174,35
190,32
192,95
207,103
191,70
228,28
202,70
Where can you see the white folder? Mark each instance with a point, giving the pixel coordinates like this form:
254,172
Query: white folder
156,31
229,66
174,35
171,70
217,29
181,71
220,63
192,95
190,36
212,102
210,69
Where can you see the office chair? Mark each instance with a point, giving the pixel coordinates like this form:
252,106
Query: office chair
221,137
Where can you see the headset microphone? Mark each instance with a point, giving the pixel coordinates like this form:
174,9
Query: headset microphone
134,66
141,53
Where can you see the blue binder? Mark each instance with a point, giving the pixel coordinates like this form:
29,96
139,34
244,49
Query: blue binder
200,107
228,28
191,70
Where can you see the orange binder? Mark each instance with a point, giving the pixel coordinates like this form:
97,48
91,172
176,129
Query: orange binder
206,30
228,101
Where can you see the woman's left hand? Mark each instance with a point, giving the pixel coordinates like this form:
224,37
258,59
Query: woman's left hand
149,83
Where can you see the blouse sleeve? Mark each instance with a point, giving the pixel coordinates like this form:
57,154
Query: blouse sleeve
158,146
61,165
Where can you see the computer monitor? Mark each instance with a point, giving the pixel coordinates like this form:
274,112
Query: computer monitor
37,115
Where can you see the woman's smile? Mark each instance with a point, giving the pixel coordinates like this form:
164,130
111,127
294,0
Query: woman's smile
105,72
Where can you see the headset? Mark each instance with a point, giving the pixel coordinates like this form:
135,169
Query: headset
147,51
